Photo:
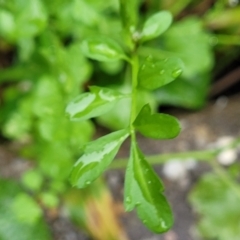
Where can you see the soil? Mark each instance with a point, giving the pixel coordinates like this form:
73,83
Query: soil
200,130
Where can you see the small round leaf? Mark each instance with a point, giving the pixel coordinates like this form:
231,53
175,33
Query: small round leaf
155,74
156,25
158,125
102,49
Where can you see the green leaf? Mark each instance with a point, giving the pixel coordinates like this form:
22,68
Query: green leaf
26,209
218,207
158,125
187,93
97,155
102,49
61,159
116,119
92,104
194,50
143,190
21,217
129,17
32,180
155,74
156,25
129,14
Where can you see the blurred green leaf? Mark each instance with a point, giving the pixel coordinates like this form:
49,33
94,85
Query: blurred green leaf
187,93
188,41
49,199
218,207
55,159
47,98
156,25
92,104
7,24
24,20
102,49
143,190
32,180
26,209
97,155
21,217
155,74
129,18
17,126
129,14
116,119
158,125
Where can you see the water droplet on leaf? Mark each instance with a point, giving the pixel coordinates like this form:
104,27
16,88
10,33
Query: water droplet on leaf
128,199
149,58
88,182
162,72
176,73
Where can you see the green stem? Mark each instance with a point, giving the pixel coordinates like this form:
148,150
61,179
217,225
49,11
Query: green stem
227,39
134,95
206,155
163,158
178,6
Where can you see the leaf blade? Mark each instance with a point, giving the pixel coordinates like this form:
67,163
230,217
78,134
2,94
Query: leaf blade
155,74
145,193
92,104
97,156
102,48
156,25
158,125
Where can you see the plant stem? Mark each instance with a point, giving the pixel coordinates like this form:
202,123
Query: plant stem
227,39
134,95
163,158
205,155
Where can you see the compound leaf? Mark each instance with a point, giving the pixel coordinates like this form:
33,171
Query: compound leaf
158,125
92,104
143,190
102,49
156,25
155,74
97,155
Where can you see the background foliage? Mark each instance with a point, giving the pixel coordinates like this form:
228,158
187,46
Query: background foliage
43,68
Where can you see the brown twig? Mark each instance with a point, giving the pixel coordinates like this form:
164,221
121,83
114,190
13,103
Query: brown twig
225,82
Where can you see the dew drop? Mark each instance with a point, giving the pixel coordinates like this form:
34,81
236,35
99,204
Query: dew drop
88,182
153,66
138,203
176,73
128,199
144,221
162,72
149,182
143,66
165,60
149,58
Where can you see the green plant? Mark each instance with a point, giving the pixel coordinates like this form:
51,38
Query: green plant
143,189
43,49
